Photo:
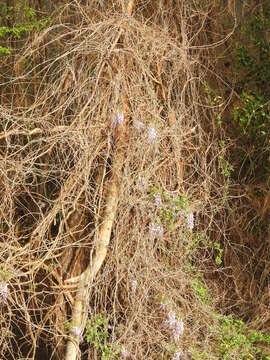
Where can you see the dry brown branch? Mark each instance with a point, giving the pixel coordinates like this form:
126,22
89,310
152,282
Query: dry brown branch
80,307
98,255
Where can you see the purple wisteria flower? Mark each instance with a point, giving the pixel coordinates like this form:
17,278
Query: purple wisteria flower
158,200
178,329
175,325
156,231
152,134
124,353
176,356
133,286
190,221
3,291
171,319
139,125
118,119
75,330
163,306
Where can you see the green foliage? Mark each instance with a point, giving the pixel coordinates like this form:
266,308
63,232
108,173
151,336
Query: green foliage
252,63
98,336
169,213
199,243
252,82
226,168
28,22
196,243
253,51
214,100
211,95
20,10
200,290
243,58
235,341
5,50
31,14
258,337
253,117
219,251
171,207
19,30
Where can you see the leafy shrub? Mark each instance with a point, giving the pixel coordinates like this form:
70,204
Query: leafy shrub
98,336
5,50
253,117
236,342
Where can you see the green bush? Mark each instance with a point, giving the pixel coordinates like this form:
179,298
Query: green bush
253,117
97,335
235,341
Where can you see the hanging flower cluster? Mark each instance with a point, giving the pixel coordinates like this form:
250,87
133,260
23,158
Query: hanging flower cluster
118,119
124,353
3,291
175,325
156,231
152,135
190,221
176,355
133,286
75,330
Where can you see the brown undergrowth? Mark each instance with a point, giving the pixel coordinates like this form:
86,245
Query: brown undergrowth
102,69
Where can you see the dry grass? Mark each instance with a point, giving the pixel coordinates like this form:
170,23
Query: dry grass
60,154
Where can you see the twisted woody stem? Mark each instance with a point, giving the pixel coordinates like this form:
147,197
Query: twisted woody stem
97,258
